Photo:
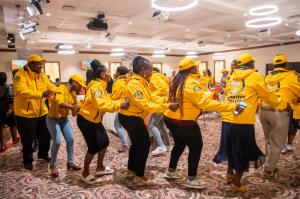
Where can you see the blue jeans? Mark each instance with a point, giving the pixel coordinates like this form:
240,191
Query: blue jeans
157,126
57,128
120,131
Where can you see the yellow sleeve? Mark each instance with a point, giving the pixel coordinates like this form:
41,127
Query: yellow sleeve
138,96
115,94
21,88
102,101
268,96
203,100
296,111
59,96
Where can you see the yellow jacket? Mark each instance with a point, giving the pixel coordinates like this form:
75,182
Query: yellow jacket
248,86
159,87
97,102
118,88
28,91
194,101
204,82
286,85
140,100
62,95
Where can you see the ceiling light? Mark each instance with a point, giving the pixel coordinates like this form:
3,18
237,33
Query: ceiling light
298,33
218,57
191,53
263,22
65,46
192,56
259,39
66,52
287,24
263,10
158,55
129,22
48,14
228,35
187,30
173,9
22,36
158,52
117,54
117,50
245,14
218,54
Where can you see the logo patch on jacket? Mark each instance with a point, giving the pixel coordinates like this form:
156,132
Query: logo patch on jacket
273,87
196,88
98,94
236,87
138,95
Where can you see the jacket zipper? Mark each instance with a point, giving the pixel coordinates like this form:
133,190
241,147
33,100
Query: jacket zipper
40,100
96,115
28,106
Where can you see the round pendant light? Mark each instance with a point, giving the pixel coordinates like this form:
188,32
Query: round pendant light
263,10
175,8
263,22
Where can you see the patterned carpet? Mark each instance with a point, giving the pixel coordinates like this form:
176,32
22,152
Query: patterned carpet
15,182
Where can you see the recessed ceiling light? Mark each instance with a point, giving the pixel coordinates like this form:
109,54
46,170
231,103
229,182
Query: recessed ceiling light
259,39
187,30
32,42
263,22
173,9
158,52
298,33
158,55
287,24
48,14
228,35
245,14
117,50
263,10
191,53
129,22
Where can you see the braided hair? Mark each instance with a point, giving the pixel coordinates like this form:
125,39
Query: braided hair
177,88
139,64
3,78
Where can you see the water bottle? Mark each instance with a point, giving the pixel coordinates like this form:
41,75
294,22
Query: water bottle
242,106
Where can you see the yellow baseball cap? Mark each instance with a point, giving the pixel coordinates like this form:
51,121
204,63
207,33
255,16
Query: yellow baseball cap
187,63
244,59
79,79
279,59
34,57
224,70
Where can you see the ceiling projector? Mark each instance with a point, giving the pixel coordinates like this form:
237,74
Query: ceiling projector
99,23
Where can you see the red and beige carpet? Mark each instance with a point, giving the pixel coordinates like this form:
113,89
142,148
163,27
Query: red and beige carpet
16,182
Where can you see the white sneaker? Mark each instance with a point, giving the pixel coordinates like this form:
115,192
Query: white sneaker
159,150
284,150
173,175
289,147
195,184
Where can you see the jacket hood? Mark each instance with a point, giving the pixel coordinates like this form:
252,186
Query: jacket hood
239,74
276,75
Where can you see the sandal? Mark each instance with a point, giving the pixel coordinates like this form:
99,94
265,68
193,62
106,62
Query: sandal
89,179
241,189
54,171
106,171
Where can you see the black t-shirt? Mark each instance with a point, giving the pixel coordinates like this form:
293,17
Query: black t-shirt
6,97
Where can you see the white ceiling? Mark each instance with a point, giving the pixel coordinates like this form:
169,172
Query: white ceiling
210,21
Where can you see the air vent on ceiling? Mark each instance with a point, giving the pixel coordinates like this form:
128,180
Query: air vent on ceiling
67,7
52,27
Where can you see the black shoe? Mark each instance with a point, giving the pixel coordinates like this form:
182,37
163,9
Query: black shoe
47,159
34,149
28,166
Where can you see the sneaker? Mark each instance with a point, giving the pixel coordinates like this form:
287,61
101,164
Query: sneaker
284,150
195,184
159,150
46,158
289,147
173,175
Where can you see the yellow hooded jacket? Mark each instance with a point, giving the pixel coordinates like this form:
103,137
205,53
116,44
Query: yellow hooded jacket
159,87
62,95
97,102
195,100
286,85
140,100
28,91
248,86
118,88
